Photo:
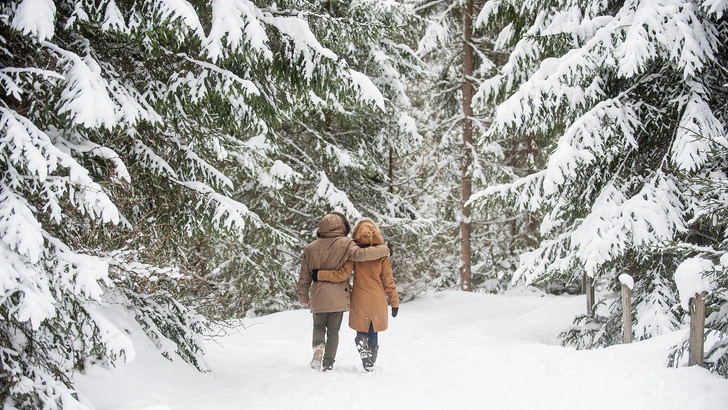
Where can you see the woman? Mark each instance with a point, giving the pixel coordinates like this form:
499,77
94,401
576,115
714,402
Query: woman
373,285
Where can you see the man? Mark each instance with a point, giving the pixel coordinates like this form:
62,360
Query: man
329,300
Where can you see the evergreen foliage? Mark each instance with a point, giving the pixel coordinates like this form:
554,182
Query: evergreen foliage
172,159
169,157
626,98
499,234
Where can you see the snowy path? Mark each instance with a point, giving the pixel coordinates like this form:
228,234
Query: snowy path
451,350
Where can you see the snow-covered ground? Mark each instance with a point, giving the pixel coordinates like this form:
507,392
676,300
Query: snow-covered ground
451,350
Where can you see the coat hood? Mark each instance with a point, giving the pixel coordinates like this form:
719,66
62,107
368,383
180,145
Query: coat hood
366,233
331,226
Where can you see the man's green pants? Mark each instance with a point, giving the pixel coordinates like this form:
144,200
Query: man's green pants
326,332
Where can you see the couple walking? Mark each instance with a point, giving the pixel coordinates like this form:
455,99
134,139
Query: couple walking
323,285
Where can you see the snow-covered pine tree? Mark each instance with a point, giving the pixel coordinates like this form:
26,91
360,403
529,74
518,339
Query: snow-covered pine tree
443,48
625,94
388,176
349,156
716,357
132,134
496,234
712,193
710,205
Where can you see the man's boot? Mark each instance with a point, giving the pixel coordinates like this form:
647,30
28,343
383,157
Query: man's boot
318,353
327,364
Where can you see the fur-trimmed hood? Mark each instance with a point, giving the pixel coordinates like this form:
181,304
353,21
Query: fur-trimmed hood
333,225
366,233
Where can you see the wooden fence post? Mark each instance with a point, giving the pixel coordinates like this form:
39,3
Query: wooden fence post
587,285
627,313
697,329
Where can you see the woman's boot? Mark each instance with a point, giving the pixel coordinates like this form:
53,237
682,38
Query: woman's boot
375,352
365,352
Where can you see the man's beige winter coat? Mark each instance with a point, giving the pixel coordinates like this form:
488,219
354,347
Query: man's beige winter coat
330,251
373,282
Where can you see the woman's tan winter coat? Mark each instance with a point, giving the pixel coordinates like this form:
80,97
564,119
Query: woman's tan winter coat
373,282
330,251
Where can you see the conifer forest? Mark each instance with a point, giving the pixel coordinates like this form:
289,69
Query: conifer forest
174,157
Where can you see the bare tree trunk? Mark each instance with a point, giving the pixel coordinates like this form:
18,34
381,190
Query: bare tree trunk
533,223
467,90
391,171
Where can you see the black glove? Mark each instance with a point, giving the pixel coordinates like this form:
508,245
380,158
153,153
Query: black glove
314,275
395,311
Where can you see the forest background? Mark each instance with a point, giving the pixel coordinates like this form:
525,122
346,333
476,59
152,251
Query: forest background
174,157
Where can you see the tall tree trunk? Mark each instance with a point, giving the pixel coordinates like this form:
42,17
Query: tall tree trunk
467,90
391,171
